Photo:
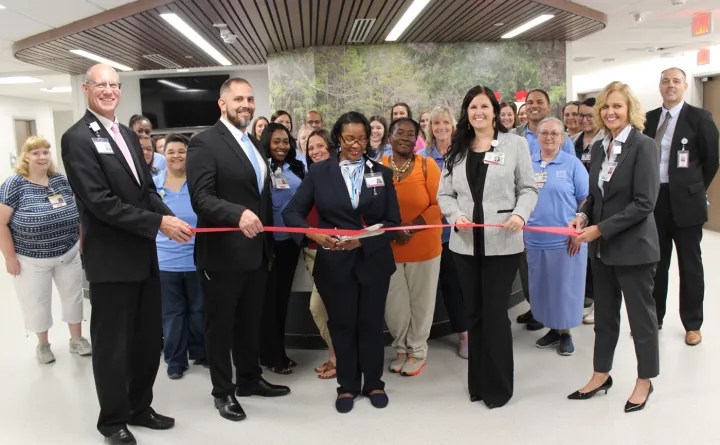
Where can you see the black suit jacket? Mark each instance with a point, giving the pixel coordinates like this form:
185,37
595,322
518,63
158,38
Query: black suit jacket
688,201
120,218
222,185
325,188
624,213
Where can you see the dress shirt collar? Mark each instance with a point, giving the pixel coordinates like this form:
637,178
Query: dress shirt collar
107,123
235,131
621,138
674,111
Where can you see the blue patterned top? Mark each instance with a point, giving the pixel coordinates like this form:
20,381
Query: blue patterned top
39,230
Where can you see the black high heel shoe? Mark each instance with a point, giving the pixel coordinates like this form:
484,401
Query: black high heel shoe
577,395
632,407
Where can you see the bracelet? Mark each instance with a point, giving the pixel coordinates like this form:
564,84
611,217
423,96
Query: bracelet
584,216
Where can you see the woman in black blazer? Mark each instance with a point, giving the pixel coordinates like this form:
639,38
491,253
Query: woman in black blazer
352,276
617,220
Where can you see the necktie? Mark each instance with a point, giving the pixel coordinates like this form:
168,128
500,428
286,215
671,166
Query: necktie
352,173
661,130
250,152
124,149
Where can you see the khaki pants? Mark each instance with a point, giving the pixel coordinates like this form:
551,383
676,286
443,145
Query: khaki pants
317,308
410,305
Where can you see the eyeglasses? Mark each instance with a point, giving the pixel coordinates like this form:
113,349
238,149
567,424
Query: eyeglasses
582,116
317,122
114,86
552,134
352,141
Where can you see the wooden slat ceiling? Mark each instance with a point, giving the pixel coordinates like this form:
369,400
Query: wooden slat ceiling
264,27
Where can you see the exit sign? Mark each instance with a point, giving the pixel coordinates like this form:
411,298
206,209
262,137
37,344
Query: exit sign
703,56
701,24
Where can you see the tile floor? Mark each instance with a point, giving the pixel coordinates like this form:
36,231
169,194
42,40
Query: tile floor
56,404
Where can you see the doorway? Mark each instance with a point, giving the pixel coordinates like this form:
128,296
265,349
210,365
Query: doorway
711,102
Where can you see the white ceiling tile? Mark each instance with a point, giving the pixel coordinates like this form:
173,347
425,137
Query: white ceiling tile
57,13
108,4
15,26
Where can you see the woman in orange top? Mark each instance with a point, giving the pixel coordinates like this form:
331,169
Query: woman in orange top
411,298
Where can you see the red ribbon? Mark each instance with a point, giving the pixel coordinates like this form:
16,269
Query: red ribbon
565,231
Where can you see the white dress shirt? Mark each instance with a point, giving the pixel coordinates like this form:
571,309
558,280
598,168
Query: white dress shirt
666,141
237,134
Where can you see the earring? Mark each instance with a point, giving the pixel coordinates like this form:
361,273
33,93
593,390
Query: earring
469,126
494,123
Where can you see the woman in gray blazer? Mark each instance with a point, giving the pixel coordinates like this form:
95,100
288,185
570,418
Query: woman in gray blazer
617,220
488,179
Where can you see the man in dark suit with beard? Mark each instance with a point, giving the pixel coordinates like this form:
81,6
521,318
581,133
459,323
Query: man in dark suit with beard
121,214
687,141
229,185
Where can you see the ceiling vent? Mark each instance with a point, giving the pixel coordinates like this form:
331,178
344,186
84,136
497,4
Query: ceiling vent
162,60
360,30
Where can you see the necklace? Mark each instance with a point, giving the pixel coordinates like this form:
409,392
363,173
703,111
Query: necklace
399,171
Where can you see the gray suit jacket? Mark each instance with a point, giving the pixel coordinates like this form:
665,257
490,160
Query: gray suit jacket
624,213
509,190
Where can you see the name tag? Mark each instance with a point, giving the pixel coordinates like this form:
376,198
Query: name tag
494,158
280,182
373,180
585,157
617,150
607,171
683,157
102,145
57,201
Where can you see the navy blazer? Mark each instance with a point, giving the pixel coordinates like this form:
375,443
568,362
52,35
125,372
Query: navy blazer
688,201
624,214
324,188
222,185
120,218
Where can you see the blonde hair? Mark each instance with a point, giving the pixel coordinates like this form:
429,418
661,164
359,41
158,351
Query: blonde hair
636,115
32,143
435,112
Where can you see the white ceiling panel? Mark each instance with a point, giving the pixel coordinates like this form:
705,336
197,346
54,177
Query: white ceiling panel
15,26
56,13
109,4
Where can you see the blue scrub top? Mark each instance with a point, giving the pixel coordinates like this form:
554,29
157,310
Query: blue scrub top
567,185
281,198
174,256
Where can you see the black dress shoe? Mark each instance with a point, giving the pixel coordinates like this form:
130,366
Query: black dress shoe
202,362
121,437
474,398
577,395
263,388
229,408
524,318
151,419
632,407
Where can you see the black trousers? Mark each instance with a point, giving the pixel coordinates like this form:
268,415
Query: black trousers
635,284
523,269
486,284
692,278
124,324
356,318
452,294
279,285
233,307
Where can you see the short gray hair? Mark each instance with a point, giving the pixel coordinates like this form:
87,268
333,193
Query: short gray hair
552,119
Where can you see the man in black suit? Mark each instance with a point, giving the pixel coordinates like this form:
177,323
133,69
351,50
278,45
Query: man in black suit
121,214
687,140
230,187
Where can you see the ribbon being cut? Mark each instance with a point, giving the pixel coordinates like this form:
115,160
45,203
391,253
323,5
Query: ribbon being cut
378,229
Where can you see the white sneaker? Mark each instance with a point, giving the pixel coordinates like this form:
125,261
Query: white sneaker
43,354
80,346
589,318
397,364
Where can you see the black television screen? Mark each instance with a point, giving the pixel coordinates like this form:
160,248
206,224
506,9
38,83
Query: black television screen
176,102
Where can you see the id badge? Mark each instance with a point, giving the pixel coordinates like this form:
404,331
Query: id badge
373,180
541,177
607,171
585,157
280,182
683,159
494,158
57,201
102,145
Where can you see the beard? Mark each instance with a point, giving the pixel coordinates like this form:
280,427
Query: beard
234,117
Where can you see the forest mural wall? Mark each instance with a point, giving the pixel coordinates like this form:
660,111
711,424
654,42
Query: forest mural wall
370,79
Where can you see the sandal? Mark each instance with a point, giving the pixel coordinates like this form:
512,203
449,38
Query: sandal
280,370
329,373
324,367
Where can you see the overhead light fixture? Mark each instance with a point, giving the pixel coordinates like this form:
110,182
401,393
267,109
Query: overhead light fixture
13,80
526,26
172,84
192,35
182,70
410,15
101,59
2,7
63,89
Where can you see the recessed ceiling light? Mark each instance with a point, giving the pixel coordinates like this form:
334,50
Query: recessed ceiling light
101,59
172,84
18,79
528,25
412,12
2,7
192,35
183,70
499,24
63,89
